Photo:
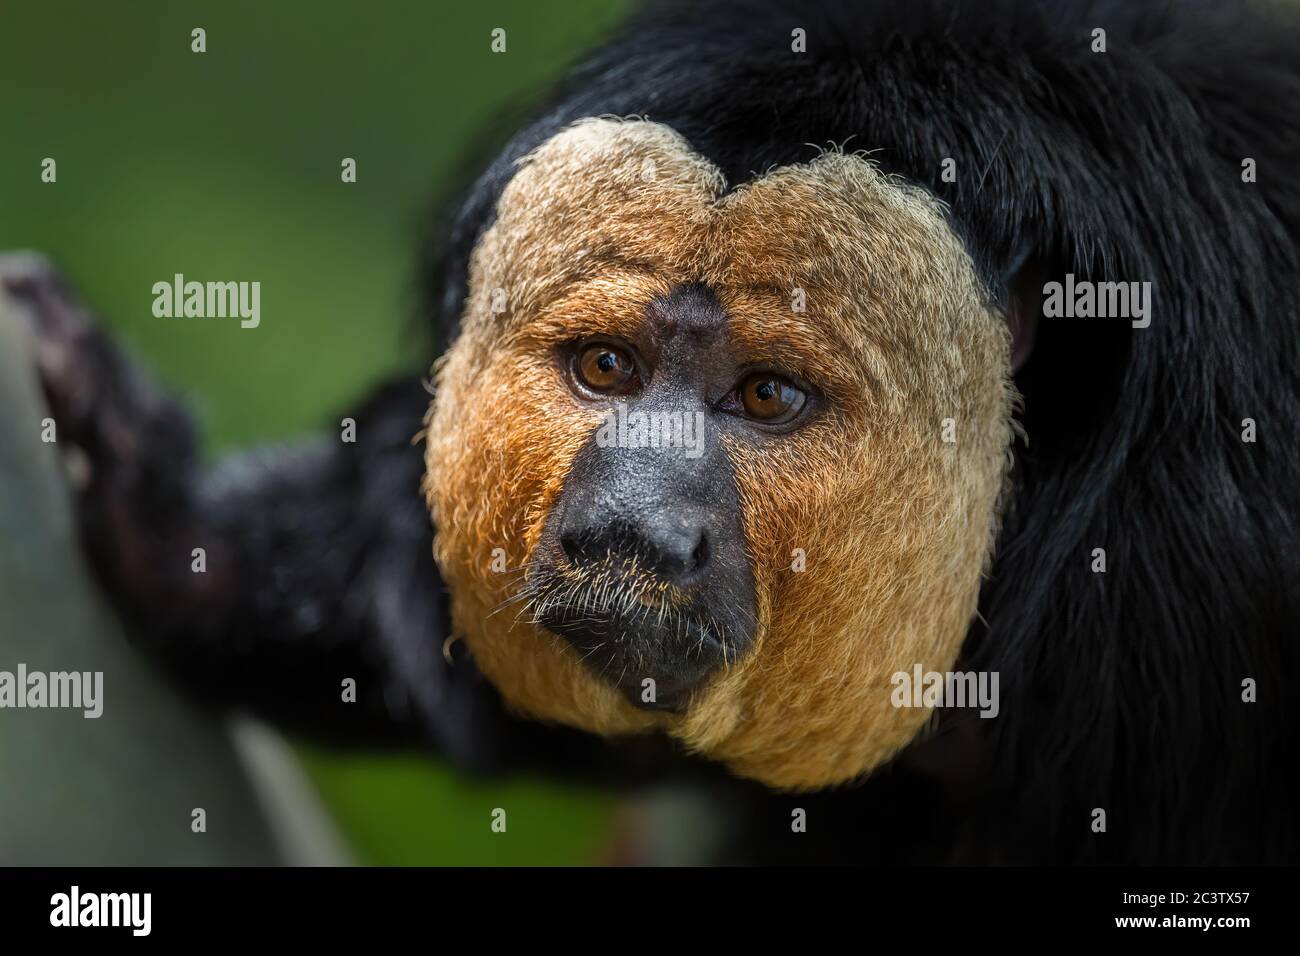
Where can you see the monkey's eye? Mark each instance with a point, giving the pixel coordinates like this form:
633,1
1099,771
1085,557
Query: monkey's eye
770,398
605,368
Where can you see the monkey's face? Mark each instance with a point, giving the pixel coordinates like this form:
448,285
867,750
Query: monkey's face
718,463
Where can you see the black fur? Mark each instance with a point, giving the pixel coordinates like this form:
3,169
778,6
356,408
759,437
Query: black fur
1119,690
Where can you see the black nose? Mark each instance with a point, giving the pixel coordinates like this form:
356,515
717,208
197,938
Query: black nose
673,545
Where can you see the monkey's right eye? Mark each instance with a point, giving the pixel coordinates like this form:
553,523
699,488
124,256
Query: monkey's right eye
605,368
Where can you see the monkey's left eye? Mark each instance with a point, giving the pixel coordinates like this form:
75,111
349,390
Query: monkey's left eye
768,398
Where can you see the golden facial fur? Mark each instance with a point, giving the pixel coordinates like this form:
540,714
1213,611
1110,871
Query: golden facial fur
850,280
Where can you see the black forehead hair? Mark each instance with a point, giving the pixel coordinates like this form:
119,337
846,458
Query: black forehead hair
1009,89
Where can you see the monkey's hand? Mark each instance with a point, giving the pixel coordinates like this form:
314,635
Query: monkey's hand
260,582
130,450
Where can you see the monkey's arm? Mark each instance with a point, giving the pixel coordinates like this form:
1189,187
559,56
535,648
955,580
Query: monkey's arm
273,579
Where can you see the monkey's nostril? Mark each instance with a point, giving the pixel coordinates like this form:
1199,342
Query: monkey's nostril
676,553
578,546
569,545
700,556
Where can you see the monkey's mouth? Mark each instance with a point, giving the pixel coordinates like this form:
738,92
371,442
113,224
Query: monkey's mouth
653,643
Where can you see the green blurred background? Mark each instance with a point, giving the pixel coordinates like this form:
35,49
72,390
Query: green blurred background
225,165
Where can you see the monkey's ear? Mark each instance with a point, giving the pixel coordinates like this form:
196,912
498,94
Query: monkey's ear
1024,284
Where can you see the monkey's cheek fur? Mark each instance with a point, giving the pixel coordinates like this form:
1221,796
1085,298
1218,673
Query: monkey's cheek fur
869,528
